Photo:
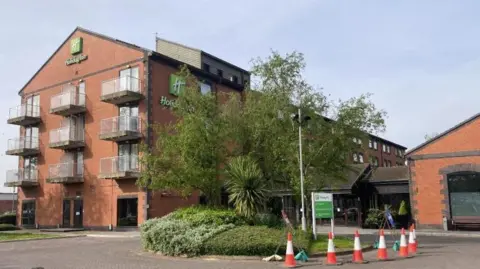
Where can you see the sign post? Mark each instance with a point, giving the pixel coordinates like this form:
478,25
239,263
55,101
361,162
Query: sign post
322,208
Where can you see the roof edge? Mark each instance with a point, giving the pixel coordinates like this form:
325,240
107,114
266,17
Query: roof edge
448,131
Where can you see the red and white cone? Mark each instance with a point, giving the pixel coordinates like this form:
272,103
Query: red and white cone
403,245
412,245
382,247
290,256
331,256
357,249
415,236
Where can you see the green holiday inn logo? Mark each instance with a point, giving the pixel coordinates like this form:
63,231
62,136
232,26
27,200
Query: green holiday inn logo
177,85
76,45
76,48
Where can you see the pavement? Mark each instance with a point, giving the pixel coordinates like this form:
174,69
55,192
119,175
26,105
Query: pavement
102,252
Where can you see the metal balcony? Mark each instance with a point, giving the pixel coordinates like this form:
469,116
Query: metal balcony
65,173
120,128
119,167
68,102
22,178
121,90
66,138
23,146
24,115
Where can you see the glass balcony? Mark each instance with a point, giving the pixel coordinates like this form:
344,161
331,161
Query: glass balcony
120,128
69,172
22,178
121,90
119,167
67,138
68,102
24,115
23,146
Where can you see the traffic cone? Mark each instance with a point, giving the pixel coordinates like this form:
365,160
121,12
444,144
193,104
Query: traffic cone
357,249
415,236
382,247
331,256
289,256
412,245
403,245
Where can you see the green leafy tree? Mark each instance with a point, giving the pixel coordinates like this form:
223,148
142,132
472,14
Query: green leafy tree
188,152
247,189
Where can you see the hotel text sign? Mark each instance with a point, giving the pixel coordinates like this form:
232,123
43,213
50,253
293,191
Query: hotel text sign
76,48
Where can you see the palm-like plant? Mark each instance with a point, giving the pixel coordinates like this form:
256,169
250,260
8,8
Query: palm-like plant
247,189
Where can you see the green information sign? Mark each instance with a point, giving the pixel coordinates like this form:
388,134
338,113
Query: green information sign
177,84
323,205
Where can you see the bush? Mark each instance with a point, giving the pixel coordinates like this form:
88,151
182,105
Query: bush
8,218
175,237
7,227
200,215
269,220
253,241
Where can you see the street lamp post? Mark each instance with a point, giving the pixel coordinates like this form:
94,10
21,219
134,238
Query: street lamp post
300,120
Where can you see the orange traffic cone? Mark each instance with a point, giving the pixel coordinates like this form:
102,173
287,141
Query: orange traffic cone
382,247
357,249
403,245
412,245
331,256
289,256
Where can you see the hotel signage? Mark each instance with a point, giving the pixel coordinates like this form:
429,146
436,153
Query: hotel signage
167,102
76,48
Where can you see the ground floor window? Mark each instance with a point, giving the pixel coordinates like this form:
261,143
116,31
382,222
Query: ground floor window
28,212
464,192
127,211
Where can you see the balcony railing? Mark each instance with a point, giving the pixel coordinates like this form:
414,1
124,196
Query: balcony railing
120,128
67,137
118,167
69,102
121,90
23,146
68,172
24,115
22,177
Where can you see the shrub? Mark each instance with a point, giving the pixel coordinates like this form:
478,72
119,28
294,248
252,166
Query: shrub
7,227
266,219
175,237
253,241
199,215
8,218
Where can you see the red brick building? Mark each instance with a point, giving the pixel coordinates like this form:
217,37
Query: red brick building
445,178
82,117
7,202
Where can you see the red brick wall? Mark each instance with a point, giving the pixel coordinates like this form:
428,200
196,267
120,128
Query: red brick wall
6,206
426,188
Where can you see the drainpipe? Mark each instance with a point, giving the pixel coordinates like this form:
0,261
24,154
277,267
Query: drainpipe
410,187
148,99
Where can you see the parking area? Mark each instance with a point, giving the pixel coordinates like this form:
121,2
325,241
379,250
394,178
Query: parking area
87,252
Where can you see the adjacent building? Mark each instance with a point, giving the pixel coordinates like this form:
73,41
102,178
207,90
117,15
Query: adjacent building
82,116
444,177
8,202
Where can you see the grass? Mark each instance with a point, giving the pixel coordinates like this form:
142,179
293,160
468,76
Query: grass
23,236
321,244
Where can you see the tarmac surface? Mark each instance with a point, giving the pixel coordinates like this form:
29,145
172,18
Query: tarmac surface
103,252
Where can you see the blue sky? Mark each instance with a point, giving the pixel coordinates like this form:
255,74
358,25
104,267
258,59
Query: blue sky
420,59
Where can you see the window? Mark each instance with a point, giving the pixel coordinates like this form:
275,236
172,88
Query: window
387,163
205,88
32,108
384,148
374,160
29,168
355,157
464,193
127,211
375,145
128,120
206,67
73,163
360,158
31,138
355,140
388,149
129,79
234,79
76,127
127,157
220,73
370,143
28,212
81,93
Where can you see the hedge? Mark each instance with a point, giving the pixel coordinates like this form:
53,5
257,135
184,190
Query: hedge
200,215
7,227
8,218
253,241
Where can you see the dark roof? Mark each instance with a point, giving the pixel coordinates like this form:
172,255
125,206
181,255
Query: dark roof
458,126
383,174
354,174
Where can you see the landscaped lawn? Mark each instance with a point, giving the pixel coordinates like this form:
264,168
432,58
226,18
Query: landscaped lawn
20,236
341,244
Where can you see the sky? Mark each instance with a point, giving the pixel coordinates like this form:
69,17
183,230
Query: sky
419,59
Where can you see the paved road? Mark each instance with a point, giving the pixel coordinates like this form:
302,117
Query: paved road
85,252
